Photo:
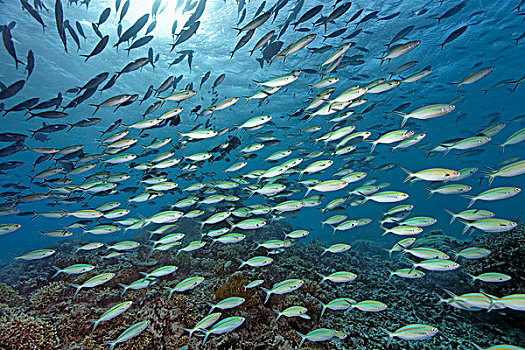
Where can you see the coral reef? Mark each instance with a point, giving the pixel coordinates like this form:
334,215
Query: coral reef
26,332
8,296
234,287
39,313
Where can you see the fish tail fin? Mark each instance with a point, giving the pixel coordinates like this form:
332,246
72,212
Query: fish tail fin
467,225
170,292
95,324
472,199
303,338
278,315
17,61
56,273
31,115
452,295
111,344
78,288
125,289
212,307
440,299
268,294
390,337
231,223
308,191
431,192
96,107
491,177
405,119
410,176
181,135
261,61
411,262
323,310
374,144
405,250
458,84
151,250
12,261
242,263
473,278
451,214
189,331
207,333
492,301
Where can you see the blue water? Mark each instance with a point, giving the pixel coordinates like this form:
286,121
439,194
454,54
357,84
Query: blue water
490,40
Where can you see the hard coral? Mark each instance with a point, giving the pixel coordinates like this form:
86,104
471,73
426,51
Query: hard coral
9,296
46,296
234,287
25,332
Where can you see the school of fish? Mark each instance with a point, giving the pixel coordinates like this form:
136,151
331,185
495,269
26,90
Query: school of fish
267,164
